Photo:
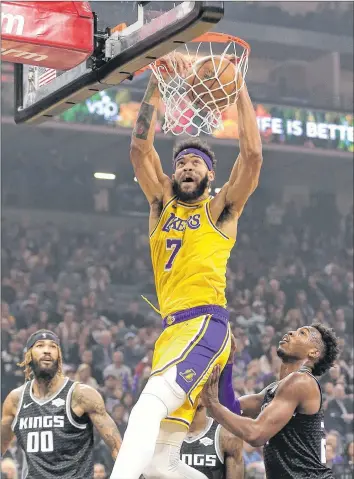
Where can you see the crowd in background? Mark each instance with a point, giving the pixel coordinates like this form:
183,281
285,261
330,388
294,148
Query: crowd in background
290,266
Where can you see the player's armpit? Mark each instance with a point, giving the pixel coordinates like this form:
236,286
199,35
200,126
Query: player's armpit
232,446
87,400
9,409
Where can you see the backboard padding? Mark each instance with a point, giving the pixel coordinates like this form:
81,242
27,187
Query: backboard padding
154,39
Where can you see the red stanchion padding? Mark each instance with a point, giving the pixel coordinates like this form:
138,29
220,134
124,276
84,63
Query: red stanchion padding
56,35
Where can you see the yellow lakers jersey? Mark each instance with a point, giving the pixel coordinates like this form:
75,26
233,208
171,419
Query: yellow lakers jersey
189,257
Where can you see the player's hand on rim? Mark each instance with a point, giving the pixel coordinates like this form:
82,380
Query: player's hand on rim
210,393
174,63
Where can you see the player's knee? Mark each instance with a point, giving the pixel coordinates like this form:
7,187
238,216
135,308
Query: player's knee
166,389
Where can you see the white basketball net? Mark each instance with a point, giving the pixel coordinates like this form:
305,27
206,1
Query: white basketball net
187,110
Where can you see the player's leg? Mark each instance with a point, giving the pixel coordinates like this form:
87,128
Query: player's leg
160,397
166,462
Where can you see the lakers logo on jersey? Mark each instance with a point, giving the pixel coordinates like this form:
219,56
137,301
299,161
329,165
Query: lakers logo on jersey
188,375
170,319
178,224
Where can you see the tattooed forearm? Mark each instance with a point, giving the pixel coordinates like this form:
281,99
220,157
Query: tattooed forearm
143,123
108,430
147,109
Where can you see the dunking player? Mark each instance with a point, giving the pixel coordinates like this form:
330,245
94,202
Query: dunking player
289,416
210,448
52,417
191,236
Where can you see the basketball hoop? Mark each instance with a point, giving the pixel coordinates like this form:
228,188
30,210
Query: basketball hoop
193,103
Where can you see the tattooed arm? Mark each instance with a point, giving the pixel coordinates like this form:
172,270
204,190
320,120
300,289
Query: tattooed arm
231,447
145,160
87,400
9,410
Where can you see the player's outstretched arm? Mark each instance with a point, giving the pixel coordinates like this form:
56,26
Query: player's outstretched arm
231,447
145,160
87,400
245,173
291,392
9,409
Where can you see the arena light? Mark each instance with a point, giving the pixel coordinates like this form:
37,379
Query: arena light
104,176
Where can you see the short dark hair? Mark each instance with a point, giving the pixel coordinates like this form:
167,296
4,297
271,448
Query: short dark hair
194,143
330,349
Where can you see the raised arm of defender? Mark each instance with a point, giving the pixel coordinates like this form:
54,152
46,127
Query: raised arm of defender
145,160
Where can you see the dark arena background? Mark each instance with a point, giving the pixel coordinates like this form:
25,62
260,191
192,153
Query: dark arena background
75,252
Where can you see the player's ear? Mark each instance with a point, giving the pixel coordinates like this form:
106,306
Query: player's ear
314,353
211,175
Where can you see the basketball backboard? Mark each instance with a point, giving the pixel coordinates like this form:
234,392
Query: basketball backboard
159,28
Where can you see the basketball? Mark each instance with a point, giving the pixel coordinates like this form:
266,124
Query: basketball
214,83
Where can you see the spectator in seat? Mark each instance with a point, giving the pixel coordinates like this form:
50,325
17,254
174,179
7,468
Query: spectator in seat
118,368
83,375
118,414
103,351
8,469
339,413
99,471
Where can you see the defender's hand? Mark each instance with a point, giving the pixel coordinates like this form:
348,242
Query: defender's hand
210,392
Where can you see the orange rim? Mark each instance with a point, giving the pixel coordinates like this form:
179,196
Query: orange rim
212,37
215,37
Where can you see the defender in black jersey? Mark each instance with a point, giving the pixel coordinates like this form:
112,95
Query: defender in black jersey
211,449
289,416
52,417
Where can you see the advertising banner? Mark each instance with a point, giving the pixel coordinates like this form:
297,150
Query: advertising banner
282,125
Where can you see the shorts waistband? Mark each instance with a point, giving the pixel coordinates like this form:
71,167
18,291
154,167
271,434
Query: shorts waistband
180,316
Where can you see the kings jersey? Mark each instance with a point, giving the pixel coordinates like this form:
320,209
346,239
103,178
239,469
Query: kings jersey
189,257
56,443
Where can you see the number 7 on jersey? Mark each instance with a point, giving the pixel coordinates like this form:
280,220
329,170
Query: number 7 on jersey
174,245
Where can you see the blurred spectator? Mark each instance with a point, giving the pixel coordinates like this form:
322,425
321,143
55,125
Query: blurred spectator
339,413
103,351
118,368
8,469
99,471
118,414
83,375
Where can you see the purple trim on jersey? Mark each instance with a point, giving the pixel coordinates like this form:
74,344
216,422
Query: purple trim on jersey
226,392
194,151
180,316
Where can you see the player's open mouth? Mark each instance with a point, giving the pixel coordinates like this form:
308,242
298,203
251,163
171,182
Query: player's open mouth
188,179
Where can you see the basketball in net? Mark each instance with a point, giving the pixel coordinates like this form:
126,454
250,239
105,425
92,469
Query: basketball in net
194,101
214,83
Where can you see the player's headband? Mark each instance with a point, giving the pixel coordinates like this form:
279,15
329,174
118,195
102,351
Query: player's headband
40,336
194,151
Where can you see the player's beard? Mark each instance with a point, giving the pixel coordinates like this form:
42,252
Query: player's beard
46,374
285,357
191,195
